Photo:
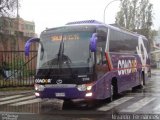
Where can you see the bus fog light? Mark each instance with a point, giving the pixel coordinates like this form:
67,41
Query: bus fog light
37,94
89,94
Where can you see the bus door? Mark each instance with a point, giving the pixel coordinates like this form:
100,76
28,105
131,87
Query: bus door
101,63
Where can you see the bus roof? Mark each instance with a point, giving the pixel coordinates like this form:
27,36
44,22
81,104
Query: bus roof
98,24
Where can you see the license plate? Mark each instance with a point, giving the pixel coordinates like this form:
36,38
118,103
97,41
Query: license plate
60,94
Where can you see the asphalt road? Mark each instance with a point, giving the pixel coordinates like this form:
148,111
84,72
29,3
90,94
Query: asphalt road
140,104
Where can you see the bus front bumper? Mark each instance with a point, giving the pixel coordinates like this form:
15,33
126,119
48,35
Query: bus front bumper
64,93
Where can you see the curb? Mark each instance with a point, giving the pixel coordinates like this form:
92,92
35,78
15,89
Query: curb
15,92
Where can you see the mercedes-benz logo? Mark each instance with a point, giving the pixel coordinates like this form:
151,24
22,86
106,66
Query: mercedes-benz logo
59,81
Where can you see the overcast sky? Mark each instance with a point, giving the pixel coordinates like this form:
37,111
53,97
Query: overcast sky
53,13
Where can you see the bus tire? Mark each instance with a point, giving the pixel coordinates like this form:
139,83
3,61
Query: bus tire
142,80
114,90
111,93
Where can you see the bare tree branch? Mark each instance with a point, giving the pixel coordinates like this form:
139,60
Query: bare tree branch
7,12
8,7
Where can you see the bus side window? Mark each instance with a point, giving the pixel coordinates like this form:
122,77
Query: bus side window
101,45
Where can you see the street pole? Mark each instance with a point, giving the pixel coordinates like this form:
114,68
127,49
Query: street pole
106,8
17,9
17,26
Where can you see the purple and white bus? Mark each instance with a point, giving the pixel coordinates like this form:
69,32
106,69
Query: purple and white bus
89,60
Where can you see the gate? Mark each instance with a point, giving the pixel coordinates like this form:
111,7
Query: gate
16,70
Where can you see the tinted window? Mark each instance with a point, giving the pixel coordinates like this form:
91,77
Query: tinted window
74,49
122,42
101,43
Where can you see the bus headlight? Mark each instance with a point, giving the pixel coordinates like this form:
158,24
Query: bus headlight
39,87
81,87
84,87
89,87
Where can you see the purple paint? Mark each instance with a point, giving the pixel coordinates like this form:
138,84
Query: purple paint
100,90
93,42
28,43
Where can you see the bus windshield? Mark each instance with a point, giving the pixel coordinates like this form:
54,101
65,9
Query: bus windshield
66,46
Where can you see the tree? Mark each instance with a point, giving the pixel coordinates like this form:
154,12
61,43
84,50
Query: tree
7,13
136,15
8,7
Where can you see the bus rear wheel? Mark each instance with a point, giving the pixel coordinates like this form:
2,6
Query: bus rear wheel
142,80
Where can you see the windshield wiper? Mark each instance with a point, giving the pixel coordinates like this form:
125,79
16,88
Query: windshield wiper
59,59
62,58
60,53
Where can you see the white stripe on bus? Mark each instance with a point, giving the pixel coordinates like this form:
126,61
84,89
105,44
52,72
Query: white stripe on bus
138,105
114,104
10,97
27,102
17,100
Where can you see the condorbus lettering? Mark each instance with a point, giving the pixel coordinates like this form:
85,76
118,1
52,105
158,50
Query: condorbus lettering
126,67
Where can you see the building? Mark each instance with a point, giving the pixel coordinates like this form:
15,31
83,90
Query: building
13,25
26,27
14,32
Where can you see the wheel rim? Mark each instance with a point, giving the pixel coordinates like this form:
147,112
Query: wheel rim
111,97
141,82
111,90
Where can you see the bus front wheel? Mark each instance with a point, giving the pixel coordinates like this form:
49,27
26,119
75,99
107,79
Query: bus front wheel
113,89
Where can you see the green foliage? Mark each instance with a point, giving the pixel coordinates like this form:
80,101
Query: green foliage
18,68
136,15
17,64
17,89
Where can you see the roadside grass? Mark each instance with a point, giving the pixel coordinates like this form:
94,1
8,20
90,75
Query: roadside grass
16,82
11,85
16,89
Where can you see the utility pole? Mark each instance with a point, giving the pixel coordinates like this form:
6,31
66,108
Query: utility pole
17,31
106,8
17,9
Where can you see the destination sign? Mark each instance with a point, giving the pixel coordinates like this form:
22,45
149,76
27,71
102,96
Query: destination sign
65,37
56,38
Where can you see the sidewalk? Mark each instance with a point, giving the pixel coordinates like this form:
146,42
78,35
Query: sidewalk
155,71
2,93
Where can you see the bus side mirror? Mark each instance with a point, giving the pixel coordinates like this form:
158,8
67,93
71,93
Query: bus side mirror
93,42
28,44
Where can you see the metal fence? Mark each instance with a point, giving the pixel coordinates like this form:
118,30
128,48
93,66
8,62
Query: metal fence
16,69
